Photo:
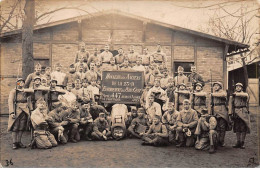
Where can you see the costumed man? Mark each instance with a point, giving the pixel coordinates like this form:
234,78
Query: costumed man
198,98
220,111
144,95
86,122
71,76
47,75
82,53
101,130
53,95
59,76
148,76
169,119
180,78
132,56
152,108
120,57
159,57
240,115
157,135
18,112
42,137
146,57
138,66
186,125
91,74
207,137
105,57
194,77
30,77
138,124
181,94
39,91
93,58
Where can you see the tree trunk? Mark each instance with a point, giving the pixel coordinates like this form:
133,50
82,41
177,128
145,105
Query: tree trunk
245,72
27,38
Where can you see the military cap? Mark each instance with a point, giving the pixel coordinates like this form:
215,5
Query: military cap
182,84
54,80
186,101
141,110
219,83
20,79
199,84
37,77
133,108
102,114
58,65
72,66
239,84
204,111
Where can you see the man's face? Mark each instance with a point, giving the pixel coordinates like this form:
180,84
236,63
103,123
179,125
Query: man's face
81,68
53,84
102,118
98,63
86,106
148,87
186,106
216,87
20,83
145,51
146,69
170,108
93,83
74,107
48,71
140,114
131,48
37,81
44,82
72,69
157,83
112,61
182,87
138,62
165,73
151,99
92,66
180,71
106,48
126,62
198,88
81,60
77,85
238,88
82,47
41,105
156,120
38,69
120,51
85,84
193,69
58,68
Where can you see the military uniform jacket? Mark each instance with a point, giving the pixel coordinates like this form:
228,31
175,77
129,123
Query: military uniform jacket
169,119
30,78
195,78
219,102
181,79
189,117
21,105
99,126
120,58
146,59
38,117
56,118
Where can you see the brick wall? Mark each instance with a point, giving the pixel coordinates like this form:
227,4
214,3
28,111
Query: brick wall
183,53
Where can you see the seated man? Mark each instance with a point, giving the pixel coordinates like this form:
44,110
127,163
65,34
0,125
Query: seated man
181,94
86,121
144,95
139,124
42,137
101,130
169,119
157,134
206,133
152,109
96,109
186,122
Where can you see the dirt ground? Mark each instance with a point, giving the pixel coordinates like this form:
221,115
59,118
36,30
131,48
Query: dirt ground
129,153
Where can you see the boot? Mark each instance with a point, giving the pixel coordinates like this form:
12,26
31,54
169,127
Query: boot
73,140
19,144
237,145
242,146
15,146
222,138
181,144
212,149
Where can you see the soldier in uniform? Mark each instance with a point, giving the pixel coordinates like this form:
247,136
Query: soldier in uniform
77,90
18,112
240,115
198,98
138,124
47,75
30,77
120,57
194,77
101,130
52,96
105,57
146,57
71,76
206,132
186,125
86,121
112,66
157,135
43,138
220,111
92,74
132,56
125,66
181,94
180,78
169,119
58,76
159,57
82,53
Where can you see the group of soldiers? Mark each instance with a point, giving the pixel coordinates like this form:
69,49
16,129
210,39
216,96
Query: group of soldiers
59,107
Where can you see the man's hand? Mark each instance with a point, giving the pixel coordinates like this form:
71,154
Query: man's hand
64,123
13,116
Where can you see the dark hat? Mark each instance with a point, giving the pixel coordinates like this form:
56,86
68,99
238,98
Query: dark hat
219,83
199,84
186,101
20,79
239,84
37,77
182,84
204,111
54,80
101,114
141,110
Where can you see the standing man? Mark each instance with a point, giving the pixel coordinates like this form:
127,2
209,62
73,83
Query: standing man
138,66
71,76
120,57
30,77
165,78
53,94
181,94
18,112
105,57
159,57
187,122
82,53
198,98
240,115
91,74
194,77
47,75
220,111
93,58
146,57
132,56
180,78
59,76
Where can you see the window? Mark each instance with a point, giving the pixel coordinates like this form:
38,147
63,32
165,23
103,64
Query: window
185,65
